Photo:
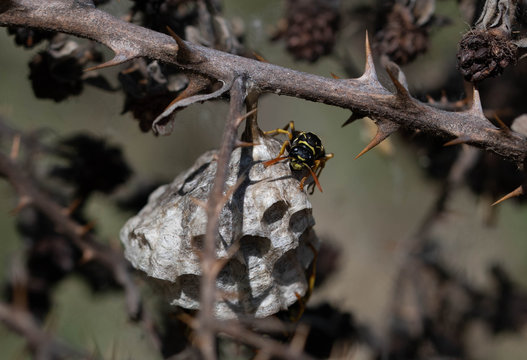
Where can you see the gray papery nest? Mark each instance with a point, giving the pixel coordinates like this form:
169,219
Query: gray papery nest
267,216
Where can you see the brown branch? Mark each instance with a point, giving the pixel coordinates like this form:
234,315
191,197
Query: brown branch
249,331
86,242
364,95
206,317
42,344
266,345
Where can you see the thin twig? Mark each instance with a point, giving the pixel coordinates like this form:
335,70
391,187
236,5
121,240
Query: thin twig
264,344
43,345
205,331
86,242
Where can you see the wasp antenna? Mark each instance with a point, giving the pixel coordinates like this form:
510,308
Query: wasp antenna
315,178
514,193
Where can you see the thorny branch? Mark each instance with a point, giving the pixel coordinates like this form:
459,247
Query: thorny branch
208,281
411,263
42,345
364,96
266,346
91,248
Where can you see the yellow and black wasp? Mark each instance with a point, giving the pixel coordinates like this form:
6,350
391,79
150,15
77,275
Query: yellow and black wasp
304,150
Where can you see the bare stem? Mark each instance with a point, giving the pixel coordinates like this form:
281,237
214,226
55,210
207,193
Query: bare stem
42,344
91,248
206,317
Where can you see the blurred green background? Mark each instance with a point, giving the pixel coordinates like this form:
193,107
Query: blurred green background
368,209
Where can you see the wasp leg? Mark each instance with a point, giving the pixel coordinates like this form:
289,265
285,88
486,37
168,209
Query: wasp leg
278,131
285,130
279,157
317,169
291,127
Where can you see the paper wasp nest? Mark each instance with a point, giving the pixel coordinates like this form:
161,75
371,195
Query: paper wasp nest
268,214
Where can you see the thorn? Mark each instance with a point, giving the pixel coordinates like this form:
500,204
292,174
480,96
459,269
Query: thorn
200,203
163,123
458,140
243,117
185,55
476,108
72,207
514,193
83,230
430,99
118,59
444,98
187,319
397,77
336,77
239,143
384,129
22,203
501,124
353,117
231,252
87,255
259,57
230,191
15,147
369,69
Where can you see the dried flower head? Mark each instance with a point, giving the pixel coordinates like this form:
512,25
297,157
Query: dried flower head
485,53
402,37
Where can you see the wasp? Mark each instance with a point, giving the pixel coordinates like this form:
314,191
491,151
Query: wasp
304,150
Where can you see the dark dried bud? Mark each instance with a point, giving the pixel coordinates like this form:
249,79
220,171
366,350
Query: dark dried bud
91,164
401,38
57,72
310,29
485,53
55,78
158,14
29,37
149,89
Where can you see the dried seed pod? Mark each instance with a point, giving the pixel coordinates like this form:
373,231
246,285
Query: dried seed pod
485,53
149,88
310,28
29,37
404,34
57,72
268,216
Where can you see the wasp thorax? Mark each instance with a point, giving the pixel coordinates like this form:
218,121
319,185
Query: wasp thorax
268,216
